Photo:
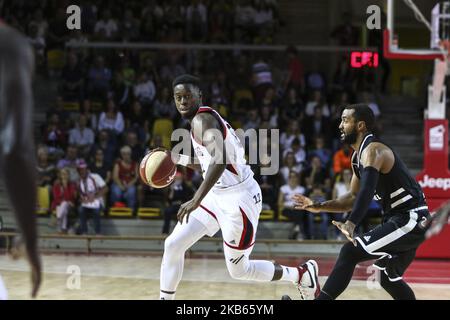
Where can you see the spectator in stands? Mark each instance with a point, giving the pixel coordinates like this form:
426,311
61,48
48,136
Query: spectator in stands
315,80
263,22
125,175
289,165
291,108
111,119
164,106
286,205
342,159
129,27
99,166
106,28
316,100
82,137
91,117
88,16
298,151
39,45
317,194
171,70
179,192
346,34
54,136
46,171
57,30
39,23
92,189
72,79
295,78
252,121
196,21
137,151
243,19
317,125
70,162
344,78
340,188
99,79
138,122
321,151
293,132
64,194
63,115
368,99
125,78
107,145
261,78
145,90
316,175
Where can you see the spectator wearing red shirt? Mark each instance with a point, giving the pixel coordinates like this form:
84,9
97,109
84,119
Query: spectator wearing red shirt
64,196
125,174
295,67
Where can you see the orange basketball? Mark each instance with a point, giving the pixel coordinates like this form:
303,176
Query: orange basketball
157,169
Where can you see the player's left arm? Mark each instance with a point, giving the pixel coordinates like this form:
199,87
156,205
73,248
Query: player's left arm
208,130
376,158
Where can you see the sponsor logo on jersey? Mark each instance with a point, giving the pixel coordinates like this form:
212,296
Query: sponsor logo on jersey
435,183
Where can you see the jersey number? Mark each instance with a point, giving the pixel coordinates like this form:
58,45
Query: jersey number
257,198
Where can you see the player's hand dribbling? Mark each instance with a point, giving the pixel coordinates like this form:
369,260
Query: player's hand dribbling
186,209
347,229
304,203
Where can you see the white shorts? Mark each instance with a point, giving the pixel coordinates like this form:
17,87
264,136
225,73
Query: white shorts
235,211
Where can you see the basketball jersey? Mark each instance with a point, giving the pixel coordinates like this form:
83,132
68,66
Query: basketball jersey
396,191
237,169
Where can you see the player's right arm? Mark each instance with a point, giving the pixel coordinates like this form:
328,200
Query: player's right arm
341,204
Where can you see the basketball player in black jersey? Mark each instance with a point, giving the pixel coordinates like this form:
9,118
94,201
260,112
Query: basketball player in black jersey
378,173
17,162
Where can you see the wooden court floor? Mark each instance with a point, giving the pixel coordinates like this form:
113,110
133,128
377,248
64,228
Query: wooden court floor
74,276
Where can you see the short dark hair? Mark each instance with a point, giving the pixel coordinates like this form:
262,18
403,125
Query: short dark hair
363,113
186,79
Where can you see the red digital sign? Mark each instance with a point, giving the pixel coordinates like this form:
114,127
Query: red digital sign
361,59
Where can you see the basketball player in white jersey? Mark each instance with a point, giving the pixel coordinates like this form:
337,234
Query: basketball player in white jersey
228,199
17,162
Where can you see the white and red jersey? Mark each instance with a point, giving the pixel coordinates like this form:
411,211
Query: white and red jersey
237,169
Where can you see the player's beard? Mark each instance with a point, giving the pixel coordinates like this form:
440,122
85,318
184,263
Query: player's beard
351,137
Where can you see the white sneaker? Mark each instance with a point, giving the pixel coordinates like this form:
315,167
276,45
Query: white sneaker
309,286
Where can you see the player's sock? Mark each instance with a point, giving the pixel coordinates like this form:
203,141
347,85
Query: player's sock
166,295
284,273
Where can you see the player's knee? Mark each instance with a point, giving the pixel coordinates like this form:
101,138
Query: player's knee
172,246
350,253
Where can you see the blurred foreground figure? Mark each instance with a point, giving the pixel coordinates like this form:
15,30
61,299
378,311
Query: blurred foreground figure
17,161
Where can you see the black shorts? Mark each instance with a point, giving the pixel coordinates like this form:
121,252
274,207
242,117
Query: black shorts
395,241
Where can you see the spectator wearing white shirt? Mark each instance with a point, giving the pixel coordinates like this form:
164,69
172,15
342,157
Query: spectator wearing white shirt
317,100
290,165
82,136
286,205
111,119
106,28
145,90
298,151
92,189
293,132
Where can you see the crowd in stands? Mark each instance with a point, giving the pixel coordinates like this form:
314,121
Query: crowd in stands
115,105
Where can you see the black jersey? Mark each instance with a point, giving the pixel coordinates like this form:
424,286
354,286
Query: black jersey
397,190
